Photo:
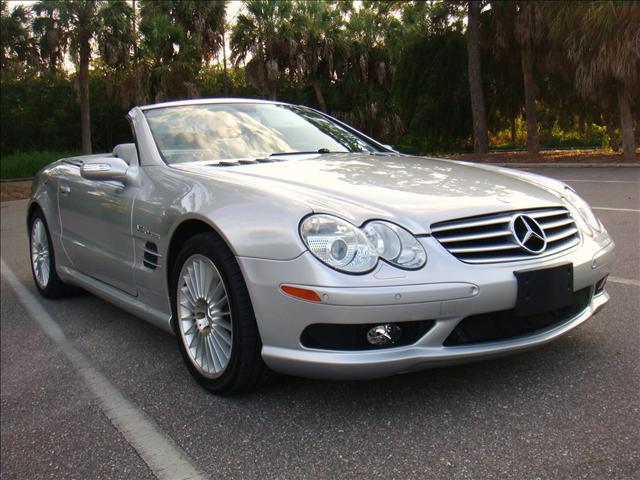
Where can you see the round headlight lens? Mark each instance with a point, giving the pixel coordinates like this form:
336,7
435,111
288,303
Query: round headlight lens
396,245
385,240
338,243
345,247
583,208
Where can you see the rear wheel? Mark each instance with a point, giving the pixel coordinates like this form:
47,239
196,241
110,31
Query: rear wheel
43,260
214,319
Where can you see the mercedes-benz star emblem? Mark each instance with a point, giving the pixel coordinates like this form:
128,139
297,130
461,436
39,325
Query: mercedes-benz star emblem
528,234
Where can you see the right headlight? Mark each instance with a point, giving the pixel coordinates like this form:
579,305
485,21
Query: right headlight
347,248
583,209
395,245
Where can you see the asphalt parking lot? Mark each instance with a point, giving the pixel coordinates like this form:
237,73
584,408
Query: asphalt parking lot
568,410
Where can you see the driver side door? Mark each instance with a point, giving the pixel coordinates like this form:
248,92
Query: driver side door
96,227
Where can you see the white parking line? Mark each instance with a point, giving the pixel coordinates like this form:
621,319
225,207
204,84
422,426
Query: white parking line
163,456
617,209
624,281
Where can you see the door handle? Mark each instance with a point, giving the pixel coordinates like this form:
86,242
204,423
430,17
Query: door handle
64,189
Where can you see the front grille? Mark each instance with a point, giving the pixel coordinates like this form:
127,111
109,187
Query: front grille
488,238
506,324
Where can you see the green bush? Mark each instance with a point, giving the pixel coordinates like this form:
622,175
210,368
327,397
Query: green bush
27,164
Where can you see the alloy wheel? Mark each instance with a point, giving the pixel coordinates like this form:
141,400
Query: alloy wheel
40,253
204,316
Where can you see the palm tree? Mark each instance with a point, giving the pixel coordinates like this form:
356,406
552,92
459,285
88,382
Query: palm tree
18,52
50,34
263,38
202,21
81,16
177,37
116,35
162,49
73,25
480,133
319,29
530,33
602,42
69,24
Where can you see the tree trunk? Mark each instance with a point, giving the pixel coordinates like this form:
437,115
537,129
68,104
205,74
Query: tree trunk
83,77
613,140
480,135
319,96
626,125
225,73
271,90
134,27
533,141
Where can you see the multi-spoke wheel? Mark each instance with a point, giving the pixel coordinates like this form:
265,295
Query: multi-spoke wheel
214,319
43,260
204,316
40,253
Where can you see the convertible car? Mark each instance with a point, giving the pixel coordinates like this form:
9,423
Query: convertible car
270,237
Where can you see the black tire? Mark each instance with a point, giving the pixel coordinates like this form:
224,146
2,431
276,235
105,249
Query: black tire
54,288
245,371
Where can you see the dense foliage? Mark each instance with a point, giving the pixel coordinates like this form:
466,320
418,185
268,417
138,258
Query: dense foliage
398,70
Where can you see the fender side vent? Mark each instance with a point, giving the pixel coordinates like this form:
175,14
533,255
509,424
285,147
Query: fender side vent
151,258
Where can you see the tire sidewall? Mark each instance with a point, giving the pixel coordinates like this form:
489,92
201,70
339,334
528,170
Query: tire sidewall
48,290
195,246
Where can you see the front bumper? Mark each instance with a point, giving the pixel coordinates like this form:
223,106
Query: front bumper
445,291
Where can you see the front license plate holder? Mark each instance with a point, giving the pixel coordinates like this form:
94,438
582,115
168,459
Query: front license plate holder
544,290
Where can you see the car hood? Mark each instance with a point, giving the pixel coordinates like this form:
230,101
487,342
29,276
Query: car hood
413,191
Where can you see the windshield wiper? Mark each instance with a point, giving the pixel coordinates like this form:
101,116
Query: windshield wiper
320,150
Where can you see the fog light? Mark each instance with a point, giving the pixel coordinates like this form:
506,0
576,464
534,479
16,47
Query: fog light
383,334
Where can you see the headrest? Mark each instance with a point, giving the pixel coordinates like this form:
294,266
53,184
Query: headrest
127,152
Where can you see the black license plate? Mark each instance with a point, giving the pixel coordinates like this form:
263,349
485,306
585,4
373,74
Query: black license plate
545,290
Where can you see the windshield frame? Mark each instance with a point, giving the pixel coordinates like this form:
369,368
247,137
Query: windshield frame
380,147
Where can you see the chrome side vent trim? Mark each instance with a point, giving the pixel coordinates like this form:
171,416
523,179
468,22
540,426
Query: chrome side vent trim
491,239
151,257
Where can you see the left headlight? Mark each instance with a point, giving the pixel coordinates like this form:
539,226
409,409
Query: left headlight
347,248
583,209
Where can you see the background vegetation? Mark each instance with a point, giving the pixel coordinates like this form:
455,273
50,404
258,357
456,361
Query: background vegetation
425,76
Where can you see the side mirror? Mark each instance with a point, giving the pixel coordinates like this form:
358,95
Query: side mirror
106,168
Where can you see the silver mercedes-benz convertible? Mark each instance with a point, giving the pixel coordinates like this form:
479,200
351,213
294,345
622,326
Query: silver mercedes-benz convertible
271,237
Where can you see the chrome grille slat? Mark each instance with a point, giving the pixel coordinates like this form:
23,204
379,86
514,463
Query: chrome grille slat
483,248
560,235
488,239
556,223
474,236
546,213
515,258
471,223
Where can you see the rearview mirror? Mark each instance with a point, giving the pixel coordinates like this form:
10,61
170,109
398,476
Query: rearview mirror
107,168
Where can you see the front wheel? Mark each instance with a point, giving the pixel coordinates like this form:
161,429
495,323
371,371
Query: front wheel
214,319
43,260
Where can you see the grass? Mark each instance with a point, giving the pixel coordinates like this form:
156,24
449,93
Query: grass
584,155
27,164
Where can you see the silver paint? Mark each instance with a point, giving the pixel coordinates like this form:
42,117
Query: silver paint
256,209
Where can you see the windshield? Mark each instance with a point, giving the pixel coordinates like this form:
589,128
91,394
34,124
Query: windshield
246,130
